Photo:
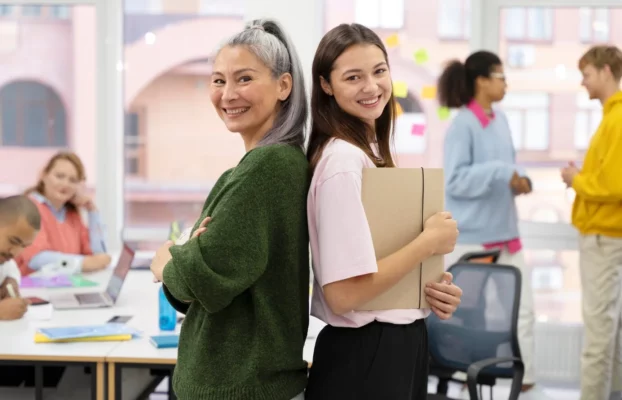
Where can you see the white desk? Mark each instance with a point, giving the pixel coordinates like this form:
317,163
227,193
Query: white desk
18,347
138,298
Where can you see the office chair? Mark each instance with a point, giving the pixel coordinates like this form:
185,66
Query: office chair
445,376
481,257
481,338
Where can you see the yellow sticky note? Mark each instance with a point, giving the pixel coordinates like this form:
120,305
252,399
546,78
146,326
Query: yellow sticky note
428,92
392,40
400,89
443,113
421,56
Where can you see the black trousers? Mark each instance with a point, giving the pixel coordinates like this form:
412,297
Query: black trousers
378,361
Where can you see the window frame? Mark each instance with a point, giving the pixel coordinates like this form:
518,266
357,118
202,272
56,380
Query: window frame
592,20
523,111
527,35
8,10
50,108
140,152
204,9
379,5
465,24
588,108
152,7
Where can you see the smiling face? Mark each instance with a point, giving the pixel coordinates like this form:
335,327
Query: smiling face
245,94
61,181
360,82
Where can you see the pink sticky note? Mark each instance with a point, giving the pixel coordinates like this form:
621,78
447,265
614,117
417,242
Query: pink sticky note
417,130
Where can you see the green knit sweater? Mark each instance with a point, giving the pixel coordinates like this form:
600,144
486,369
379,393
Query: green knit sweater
244,284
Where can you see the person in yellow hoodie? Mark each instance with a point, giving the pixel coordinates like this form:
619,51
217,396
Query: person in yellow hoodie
597,215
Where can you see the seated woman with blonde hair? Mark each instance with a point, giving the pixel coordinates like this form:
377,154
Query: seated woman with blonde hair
64,241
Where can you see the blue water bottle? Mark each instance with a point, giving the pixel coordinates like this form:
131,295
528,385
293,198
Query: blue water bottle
168,315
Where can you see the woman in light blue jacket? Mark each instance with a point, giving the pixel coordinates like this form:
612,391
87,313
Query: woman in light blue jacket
482,178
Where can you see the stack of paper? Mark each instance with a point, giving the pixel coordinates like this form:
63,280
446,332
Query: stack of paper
46,281
90,333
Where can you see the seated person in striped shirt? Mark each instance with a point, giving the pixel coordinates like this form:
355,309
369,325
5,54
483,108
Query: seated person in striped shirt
64,241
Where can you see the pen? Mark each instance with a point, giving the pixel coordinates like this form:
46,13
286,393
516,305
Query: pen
10,289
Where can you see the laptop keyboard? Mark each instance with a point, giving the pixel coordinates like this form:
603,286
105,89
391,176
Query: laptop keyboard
89,298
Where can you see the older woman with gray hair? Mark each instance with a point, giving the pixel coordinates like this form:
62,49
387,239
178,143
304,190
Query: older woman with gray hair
243,277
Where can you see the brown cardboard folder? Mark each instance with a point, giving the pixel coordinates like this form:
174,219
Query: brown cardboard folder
397,202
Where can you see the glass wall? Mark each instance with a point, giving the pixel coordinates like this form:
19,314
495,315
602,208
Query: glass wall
48,89
552,121
175,144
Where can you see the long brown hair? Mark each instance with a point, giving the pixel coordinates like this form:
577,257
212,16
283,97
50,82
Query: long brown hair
63,155
329,120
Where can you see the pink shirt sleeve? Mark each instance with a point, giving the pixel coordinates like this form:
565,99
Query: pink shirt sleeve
345,245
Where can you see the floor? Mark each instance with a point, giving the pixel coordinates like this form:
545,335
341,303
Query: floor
500,391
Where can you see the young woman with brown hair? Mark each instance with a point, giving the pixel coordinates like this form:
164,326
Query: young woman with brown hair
360,354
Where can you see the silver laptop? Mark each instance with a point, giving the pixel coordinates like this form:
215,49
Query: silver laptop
101,299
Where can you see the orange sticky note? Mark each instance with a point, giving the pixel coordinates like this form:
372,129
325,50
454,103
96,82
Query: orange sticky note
428,92
400,89
392,40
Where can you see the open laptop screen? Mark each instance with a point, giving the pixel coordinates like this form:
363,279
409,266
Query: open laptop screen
120,272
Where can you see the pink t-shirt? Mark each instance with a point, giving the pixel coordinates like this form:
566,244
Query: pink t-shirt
341,244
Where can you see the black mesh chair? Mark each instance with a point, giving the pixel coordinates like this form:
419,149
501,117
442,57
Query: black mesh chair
481,337
443,374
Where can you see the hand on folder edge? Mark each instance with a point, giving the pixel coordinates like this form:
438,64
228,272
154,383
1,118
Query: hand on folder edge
443,297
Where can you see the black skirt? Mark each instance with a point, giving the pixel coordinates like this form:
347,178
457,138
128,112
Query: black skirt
379,361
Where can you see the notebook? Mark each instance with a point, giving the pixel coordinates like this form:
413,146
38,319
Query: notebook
164,341
41,338
88,331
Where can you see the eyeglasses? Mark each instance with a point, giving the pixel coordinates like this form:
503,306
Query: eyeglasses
497,75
